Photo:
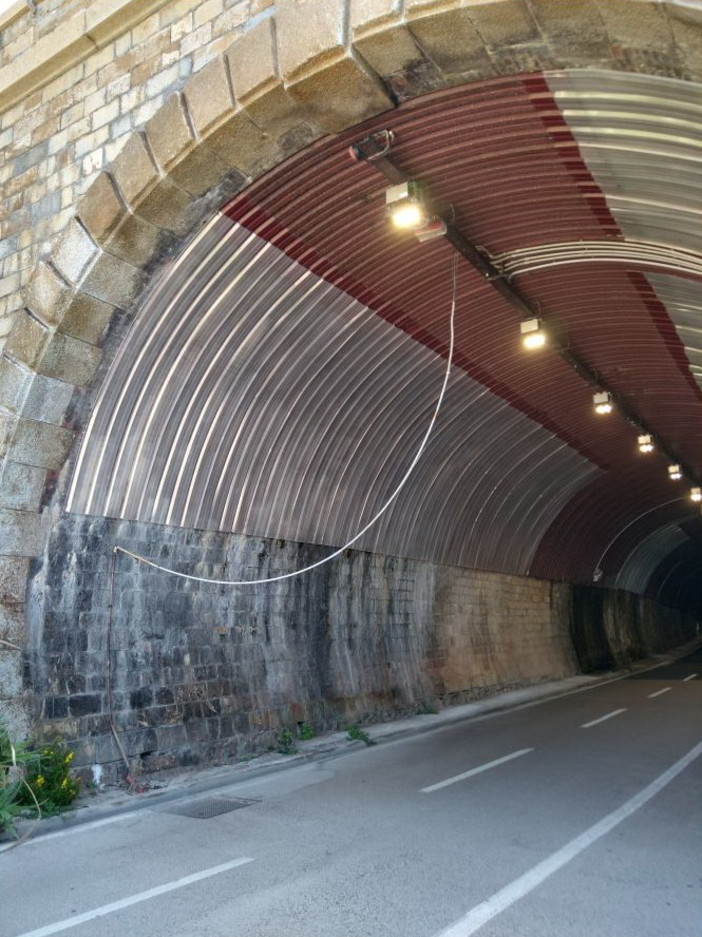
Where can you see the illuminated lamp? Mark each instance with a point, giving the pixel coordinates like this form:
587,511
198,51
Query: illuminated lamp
696,494
674,473
602,402
533,333
405,206
645,443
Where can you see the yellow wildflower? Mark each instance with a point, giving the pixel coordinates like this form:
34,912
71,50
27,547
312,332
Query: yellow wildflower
40,780
64,783
68,759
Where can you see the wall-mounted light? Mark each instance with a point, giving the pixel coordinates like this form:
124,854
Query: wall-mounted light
696,494
674,473
645,443
602,401
405,206
533,333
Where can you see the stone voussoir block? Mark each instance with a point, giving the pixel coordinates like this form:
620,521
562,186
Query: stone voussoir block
73,251
114,281
101,209
42,445
69,359
449,37
14,384
47,295
169,133
209,97
28,339
87,318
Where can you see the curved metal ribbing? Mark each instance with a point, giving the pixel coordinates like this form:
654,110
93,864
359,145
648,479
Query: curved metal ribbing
255,396
280,377
647,556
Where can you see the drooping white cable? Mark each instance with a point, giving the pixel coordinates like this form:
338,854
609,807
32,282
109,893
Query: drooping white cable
376,517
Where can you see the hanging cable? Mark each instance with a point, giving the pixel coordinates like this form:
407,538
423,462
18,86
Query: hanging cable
374,519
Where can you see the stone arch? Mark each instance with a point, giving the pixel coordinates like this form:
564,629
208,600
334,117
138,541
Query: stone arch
301,71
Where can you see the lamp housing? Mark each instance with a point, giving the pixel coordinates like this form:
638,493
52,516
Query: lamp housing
696,495
674,473
645,443
602,402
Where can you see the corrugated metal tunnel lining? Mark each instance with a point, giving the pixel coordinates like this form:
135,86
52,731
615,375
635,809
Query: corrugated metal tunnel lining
280,376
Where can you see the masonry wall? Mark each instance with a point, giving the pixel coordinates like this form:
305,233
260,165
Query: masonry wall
198,673
56,140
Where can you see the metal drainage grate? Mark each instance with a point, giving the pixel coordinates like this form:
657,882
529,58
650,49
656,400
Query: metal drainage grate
209,807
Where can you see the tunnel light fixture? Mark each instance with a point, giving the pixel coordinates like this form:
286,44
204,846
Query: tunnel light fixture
533,333
674,473
602,402
405,206
696,495
645,443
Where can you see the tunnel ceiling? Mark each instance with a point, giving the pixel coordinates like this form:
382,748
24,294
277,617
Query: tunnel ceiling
282,371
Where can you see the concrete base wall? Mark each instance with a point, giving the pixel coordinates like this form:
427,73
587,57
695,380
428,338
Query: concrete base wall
196,673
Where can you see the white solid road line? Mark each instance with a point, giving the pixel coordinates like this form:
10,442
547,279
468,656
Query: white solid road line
615,712
691,677
522,886
71,830
478,770
659,692
134,899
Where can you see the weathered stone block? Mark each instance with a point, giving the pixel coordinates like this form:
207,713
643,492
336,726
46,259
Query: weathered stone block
10,672
450,38
13,576
242,145
84,704
169,133
575,29
139,243
166,206
101,209
686,26
69,359
637,24
47,296
113,281
22,533
87,318
40,444
13,626
27,339
311,33
47,400
252,63
200,171
134,170
209,97
502,22
14,384
73,252
388,51
21,486
344,94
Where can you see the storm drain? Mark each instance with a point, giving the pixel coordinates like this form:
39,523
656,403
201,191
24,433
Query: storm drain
208,807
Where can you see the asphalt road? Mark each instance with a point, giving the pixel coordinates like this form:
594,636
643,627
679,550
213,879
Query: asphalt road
584,820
